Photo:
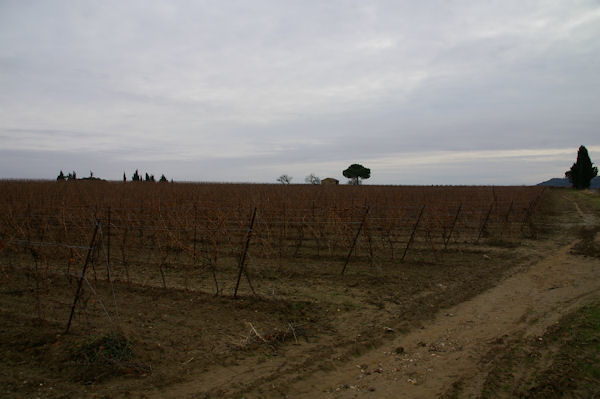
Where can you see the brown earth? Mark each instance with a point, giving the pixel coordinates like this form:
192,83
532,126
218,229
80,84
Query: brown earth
418,330
448,356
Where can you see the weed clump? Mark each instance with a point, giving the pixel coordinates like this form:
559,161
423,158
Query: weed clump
109,348
588,245
106,356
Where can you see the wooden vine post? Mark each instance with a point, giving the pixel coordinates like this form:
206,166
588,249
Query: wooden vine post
452,227
530,210
108,243
507,219
195,231
355,239
412,235
484,224
80,283
244,253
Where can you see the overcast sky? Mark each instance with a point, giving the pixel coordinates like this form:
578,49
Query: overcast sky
421,92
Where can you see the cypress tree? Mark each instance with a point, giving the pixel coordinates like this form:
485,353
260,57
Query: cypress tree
582,172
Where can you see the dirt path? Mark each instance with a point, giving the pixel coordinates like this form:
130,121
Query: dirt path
452,349
449,353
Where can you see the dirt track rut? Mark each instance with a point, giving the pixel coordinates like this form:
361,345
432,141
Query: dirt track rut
451,349
453,346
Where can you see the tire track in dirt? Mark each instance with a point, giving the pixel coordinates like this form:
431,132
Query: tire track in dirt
588,219
452,348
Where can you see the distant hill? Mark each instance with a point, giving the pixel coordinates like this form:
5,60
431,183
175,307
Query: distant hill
558,182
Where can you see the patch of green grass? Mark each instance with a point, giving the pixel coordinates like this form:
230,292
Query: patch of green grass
573,348
587,245
592,198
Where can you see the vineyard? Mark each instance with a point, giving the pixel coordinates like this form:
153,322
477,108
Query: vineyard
178,234
72,253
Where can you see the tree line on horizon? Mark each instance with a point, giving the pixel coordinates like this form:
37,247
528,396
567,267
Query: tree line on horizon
579,175
149,178
136,177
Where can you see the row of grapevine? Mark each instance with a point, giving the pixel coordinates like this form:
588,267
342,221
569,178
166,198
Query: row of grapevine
201,236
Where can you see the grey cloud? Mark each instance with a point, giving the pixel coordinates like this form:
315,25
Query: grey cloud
257,84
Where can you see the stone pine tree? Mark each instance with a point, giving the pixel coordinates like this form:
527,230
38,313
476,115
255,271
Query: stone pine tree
356,173
582,172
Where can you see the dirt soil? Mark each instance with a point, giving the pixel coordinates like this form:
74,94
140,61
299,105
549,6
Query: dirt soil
417,330
448,355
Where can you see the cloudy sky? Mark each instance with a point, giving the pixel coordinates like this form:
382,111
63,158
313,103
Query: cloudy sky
421,92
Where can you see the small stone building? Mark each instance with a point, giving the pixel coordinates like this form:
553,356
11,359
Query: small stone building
330,180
